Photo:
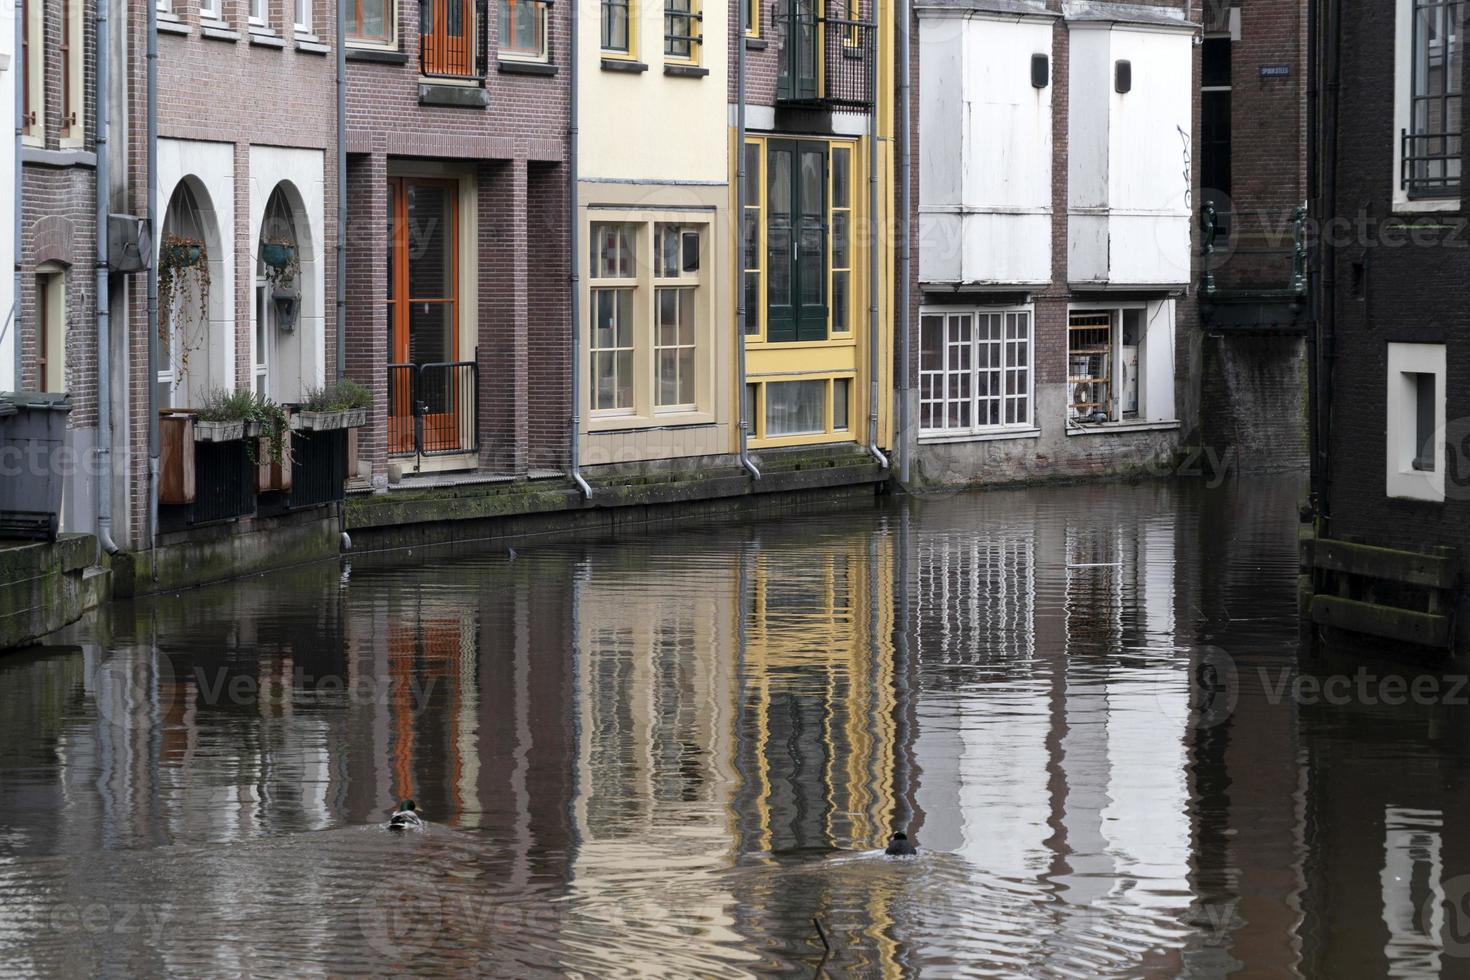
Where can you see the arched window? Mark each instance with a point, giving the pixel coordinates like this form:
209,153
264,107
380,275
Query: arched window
277,305
184,274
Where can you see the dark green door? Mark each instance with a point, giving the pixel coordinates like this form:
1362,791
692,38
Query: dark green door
796,240
797,79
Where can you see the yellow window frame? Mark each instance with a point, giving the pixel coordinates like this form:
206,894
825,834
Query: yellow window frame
829,433
634,12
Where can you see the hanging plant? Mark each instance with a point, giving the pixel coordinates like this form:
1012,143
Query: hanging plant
282,263
183,264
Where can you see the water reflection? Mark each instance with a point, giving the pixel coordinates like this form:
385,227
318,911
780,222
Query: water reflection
669,754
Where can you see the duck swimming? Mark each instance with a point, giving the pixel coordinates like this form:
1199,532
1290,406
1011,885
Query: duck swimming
407,817
901,846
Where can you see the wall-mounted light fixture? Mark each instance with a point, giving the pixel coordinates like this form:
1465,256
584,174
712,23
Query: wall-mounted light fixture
1123,77
1040,70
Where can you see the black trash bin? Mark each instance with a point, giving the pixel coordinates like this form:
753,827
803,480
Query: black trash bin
32,434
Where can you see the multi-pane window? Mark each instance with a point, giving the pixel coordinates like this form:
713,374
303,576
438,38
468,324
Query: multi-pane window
676,311
523,29
800,410
681,30
614,282
1432,143
754,248
370,21
615,32
841,239
975,370
1090,365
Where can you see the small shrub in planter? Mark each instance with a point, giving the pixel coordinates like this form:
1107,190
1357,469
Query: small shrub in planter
246,414
341,405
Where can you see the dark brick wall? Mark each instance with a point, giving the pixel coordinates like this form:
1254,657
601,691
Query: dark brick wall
1412,289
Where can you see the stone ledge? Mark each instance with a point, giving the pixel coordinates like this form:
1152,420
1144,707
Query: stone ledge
45,586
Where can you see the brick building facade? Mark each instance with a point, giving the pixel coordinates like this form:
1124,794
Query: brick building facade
1391,373
1053,333
457,191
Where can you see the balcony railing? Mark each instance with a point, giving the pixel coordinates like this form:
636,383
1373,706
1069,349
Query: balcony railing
453,40
1430,164
224,481
1256,275
826,62
433,409
318,468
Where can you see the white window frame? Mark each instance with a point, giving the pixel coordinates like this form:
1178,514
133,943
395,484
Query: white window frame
1401,423
1022,426
302,18
542,52
686,286
259,14
1403,93
1156,376
614,284
211,11
35,69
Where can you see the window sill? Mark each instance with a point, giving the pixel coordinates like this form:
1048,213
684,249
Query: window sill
756,43
1425,205
624,65
514,66
613,424
1107,428
986,435
173,26
36,155
313,47
262,40
220,33
452,96
379,56
685,71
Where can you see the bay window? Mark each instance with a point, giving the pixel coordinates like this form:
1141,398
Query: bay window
975,371
648,323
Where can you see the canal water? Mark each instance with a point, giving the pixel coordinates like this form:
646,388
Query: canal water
678,754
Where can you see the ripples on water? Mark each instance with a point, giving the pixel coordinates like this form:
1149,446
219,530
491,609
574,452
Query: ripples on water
669,754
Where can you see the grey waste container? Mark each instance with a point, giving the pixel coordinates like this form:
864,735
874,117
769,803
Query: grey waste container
32,434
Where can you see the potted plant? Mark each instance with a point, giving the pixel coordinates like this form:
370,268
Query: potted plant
341,405
183,267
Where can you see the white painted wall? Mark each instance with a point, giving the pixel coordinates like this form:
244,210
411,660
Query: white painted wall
212,166
299,360
7,207
986,150
1130,156
650,126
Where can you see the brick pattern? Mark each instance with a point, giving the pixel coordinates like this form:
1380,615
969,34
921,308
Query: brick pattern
1051,302
1397,279
58,224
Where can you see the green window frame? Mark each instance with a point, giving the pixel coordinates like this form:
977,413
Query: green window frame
796,241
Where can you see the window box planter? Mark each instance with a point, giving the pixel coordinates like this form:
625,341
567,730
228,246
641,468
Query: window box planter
219,431
328,421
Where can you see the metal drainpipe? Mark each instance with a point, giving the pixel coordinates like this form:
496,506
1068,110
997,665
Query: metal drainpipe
1325,346
873,265
575,348
18,69
151,382
905,233
340,39
104,299
740,311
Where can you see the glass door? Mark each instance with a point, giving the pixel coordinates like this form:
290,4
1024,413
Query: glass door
423,312
796,241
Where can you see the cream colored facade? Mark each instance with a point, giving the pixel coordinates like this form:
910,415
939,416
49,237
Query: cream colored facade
656,336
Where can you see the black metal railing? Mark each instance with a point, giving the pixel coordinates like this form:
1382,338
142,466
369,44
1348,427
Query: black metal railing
1265,251
433,409
826,62
1429,164
224,483
453,39
318,468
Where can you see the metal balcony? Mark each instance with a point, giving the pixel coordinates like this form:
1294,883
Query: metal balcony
1254,279
825,62
453,39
